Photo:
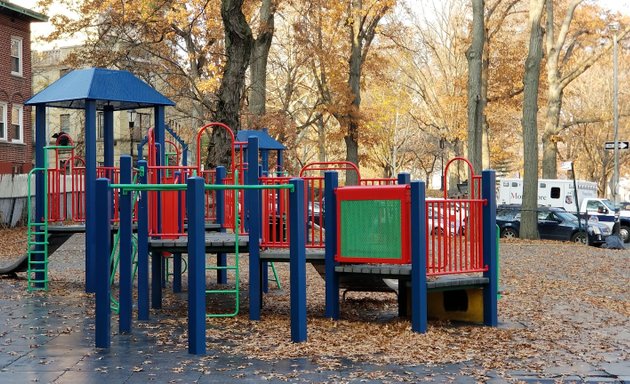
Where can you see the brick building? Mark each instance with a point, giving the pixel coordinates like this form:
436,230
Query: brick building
16,134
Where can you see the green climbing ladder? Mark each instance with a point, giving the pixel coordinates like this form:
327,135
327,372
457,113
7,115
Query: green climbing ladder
37,237
114,258
227,268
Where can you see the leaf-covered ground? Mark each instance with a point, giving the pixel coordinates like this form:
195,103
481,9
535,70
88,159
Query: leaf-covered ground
12,243
565,310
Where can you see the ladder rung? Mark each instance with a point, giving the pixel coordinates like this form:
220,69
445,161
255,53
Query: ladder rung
39,282
232,291
38,242
216,267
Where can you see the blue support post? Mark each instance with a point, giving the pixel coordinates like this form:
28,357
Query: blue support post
220,206
490,259
90,196
143,247
177,256
40,187
158,270
264,161
157,262
108,137
297,261
403,296
331,181
418,259
404,178
196,266
177,272
140,148
125,215
102,214
280,162
252,209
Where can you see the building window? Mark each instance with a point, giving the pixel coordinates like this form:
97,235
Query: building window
100,126
16,56
64,122
17,123
3,121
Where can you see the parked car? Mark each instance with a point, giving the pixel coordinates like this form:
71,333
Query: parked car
553,224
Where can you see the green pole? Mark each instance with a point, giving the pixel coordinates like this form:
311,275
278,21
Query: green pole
498,264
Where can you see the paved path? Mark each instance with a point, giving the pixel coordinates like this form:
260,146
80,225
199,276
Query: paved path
49,338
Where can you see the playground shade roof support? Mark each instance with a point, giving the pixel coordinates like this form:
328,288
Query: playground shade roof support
118,89
93,89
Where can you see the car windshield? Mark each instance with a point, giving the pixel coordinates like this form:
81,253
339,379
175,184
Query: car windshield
565,215
609,204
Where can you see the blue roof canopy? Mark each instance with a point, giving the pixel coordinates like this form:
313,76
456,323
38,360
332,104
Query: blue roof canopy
265,141
118,89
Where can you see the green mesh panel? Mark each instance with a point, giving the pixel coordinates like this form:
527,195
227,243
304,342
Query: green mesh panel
371,229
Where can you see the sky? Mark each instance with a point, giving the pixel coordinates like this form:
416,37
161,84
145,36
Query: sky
43,29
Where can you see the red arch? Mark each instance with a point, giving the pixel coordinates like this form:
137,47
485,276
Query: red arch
202,130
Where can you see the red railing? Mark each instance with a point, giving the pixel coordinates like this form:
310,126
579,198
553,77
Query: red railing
275,213
172,203
379,181
454,227
454,233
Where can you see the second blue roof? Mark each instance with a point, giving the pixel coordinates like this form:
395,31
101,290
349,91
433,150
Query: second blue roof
265,141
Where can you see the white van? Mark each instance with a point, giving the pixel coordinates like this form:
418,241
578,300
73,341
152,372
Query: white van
551,192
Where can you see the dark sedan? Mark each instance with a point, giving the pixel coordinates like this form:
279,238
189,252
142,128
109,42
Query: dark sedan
553,224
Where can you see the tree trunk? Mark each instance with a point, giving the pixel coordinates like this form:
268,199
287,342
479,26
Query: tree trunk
260,54
238,47
352,134
529,219
550,134
321,138
475,98
485,127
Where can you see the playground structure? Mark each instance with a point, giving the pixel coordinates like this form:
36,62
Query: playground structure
378,229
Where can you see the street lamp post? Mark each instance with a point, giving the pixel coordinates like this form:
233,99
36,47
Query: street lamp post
615,184
132,123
